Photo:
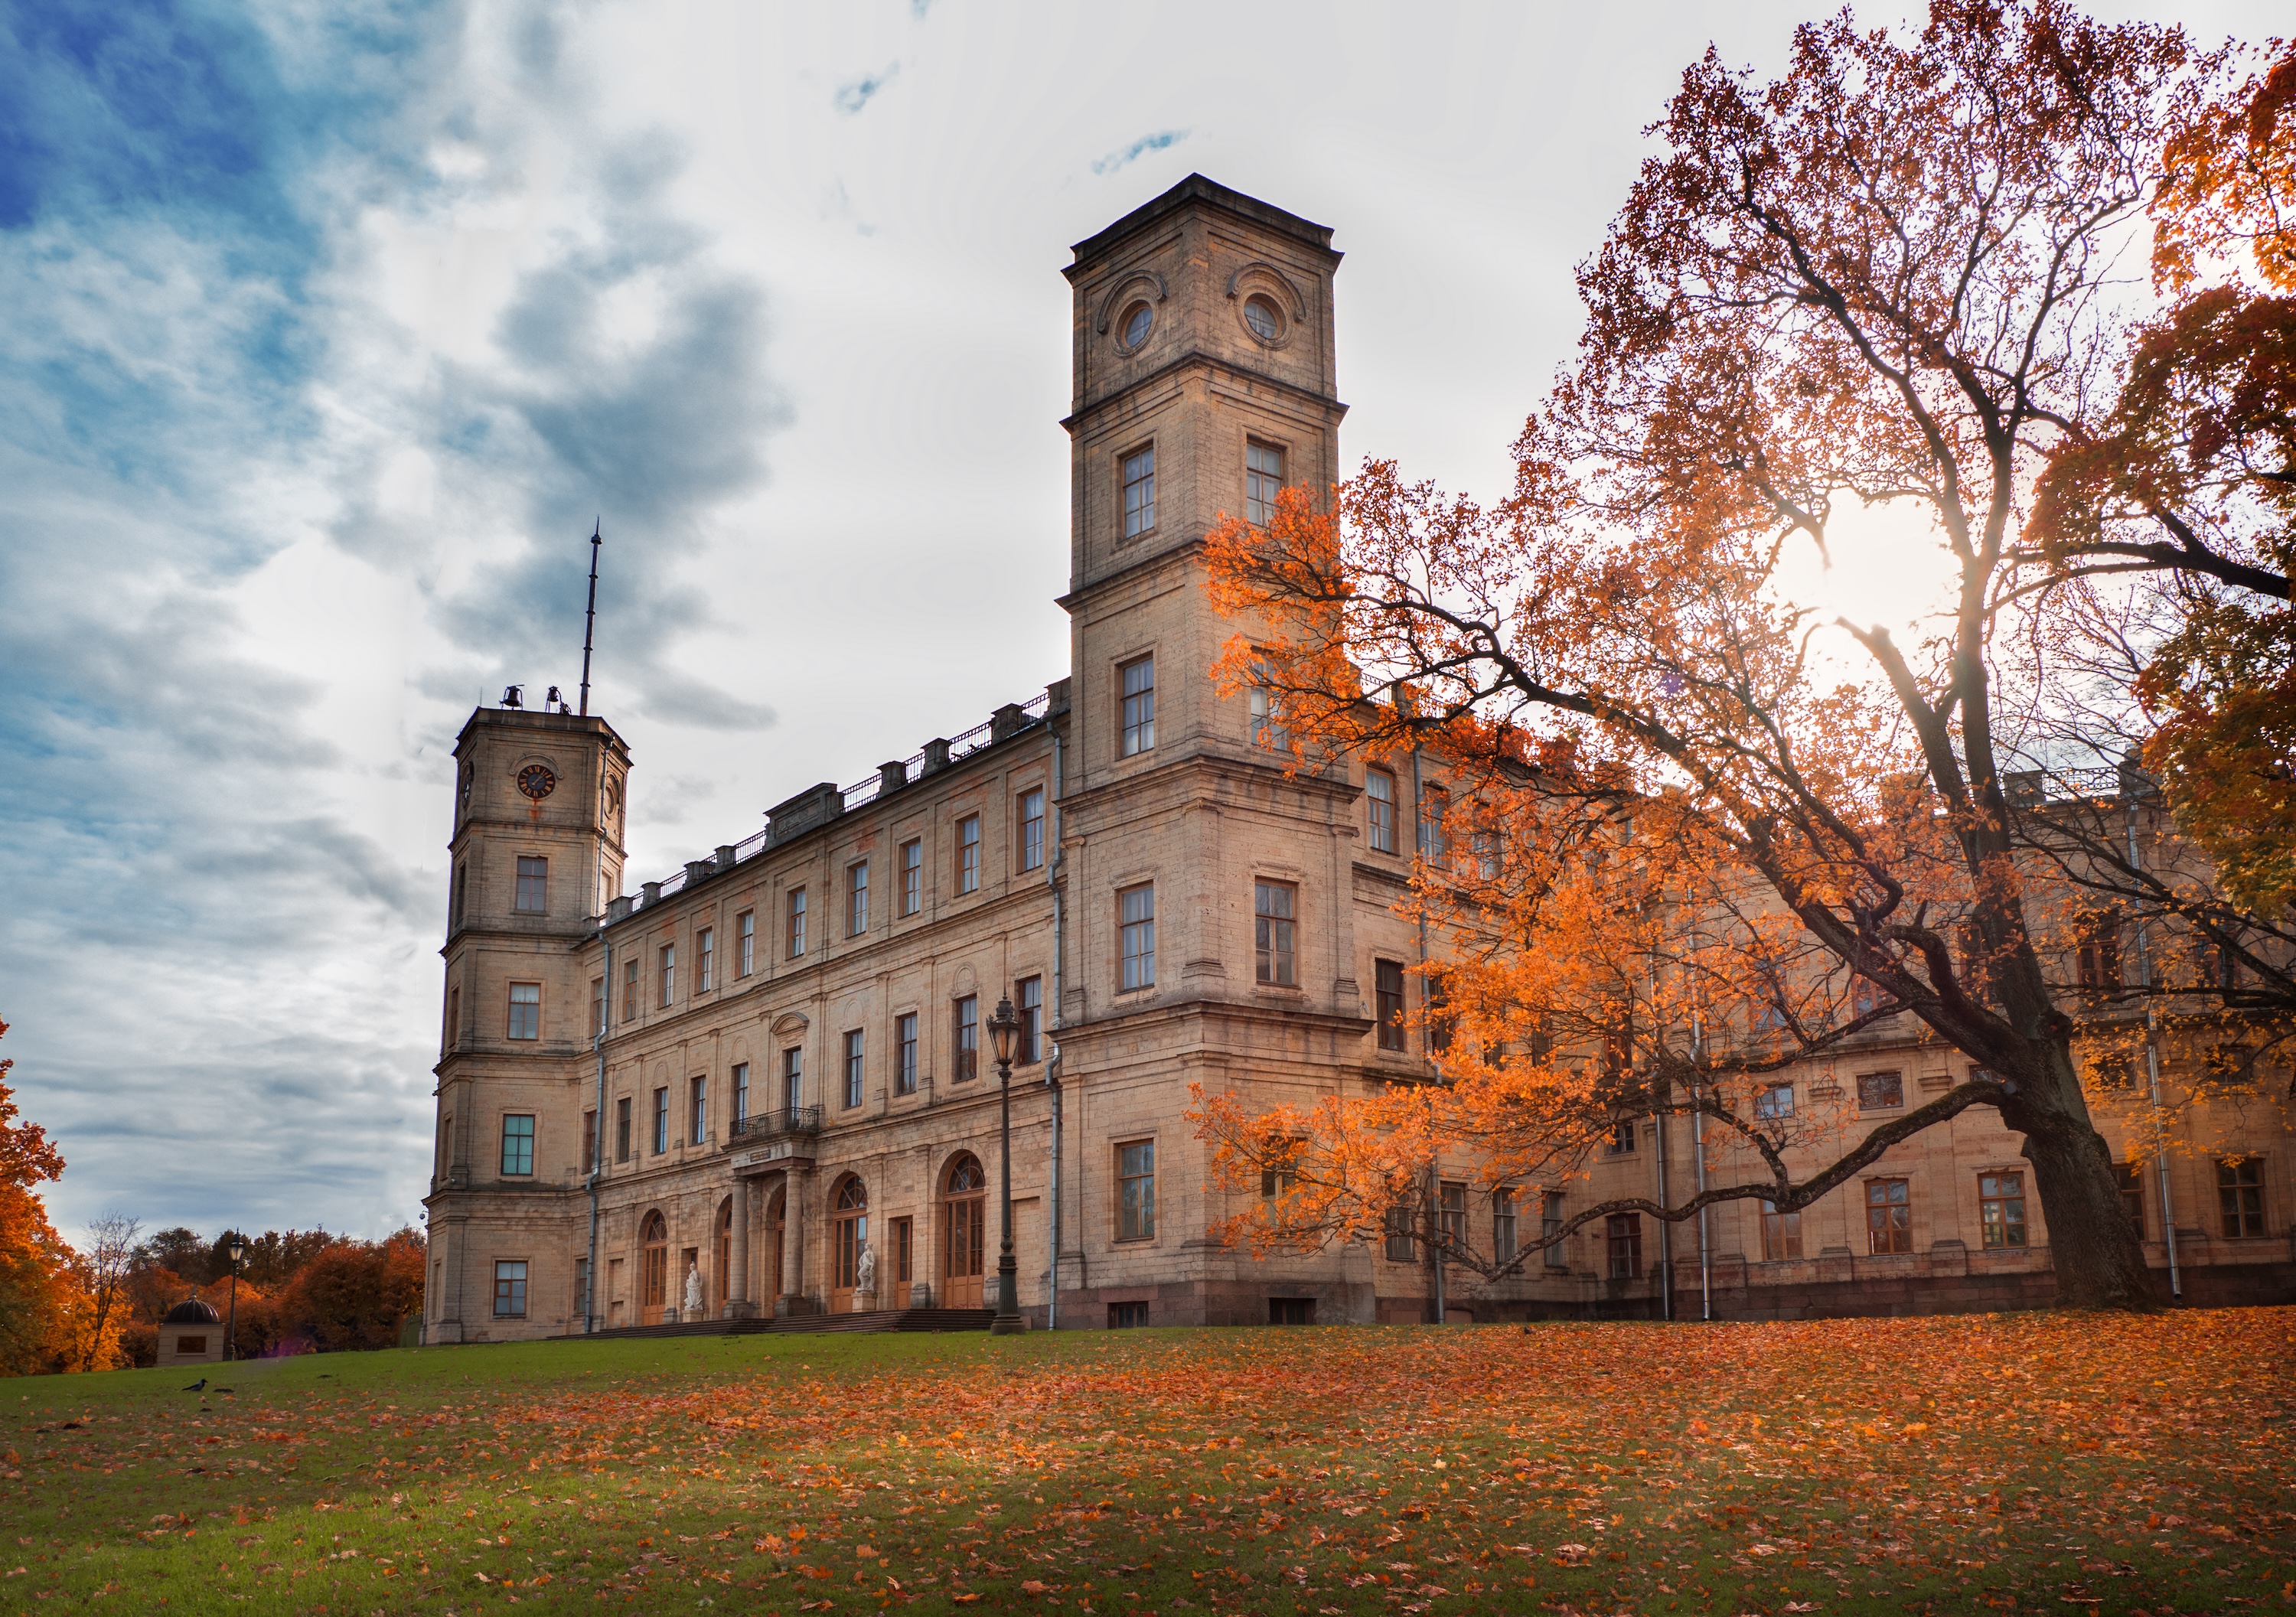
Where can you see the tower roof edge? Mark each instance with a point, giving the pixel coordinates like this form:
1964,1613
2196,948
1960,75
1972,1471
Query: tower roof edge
1197,188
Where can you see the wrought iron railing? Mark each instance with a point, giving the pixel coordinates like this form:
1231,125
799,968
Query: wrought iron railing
861,791
780,1120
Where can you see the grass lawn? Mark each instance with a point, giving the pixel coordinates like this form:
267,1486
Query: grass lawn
2025,1463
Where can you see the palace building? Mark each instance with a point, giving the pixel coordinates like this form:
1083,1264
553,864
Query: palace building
795,1071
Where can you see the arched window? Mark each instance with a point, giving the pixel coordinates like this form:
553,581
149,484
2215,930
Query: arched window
964,1229
653,1270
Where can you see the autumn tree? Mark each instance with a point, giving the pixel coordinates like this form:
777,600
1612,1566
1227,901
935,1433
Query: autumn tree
39,1293
1884,283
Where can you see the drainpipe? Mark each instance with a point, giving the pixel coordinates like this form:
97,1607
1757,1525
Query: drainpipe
1698,1150
2152,1077
1053,1060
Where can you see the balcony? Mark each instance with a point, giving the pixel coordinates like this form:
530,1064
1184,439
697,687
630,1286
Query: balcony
780,1122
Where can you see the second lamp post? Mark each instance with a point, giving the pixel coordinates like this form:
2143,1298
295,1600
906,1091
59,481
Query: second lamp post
1004,1034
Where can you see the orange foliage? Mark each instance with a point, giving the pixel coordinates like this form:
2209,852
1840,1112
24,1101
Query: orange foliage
46,1323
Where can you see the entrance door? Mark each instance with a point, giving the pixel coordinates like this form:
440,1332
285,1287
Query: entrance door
849,1221
965,1226
653,1279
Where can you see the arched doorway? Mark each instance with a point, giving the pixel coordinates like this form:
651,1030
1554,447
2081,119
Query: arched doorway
654,1266
964,1231
848,1214
770,1276
722,1268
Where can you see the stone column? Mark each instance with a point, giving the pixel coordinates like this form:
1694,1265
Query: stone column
737,1267
792,1275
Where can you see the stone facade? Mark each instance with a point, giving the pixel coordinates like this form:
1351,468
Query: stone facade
783,1075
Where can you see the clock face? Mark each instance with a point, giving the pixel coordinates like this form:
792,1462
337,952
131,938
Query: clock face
537,780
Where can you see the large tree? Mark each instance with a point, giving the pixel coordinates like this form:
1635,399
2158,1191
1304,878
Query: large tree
1884,283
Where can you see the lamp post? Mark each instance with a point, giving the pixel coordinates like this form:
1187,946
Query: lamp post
231,1330
1004,1033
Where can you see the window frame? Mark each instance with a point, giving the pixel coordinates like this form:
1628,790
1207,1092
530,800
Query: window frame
1259,492
1505,1224
1028,998
2240,1197
705,952
1399,1234
1136,706
1451,1213
1274,932
624,1126
697,1108
523,998
2130,1177
666,967
533,882
745,944
739,1083
856,899
511,1289
856,1060
661,1119
523,1140
1380,811
1029,813
2000,1211
1622,1245
633,977
793,922
1136,1190
1550,1227
1135,937
905,1044
1882,1239
912,876
1135,471
1769,1105
964,1036
1781,1234
968,853
1391,1008
1871,1084
793,1080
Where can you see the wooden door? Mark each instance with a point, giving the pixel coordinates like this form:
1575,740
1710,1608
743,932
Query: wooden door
964,1233
653,1279
849,1229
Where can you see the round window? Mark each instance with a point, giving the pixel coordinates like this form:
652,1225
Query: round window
1137,319
1261,316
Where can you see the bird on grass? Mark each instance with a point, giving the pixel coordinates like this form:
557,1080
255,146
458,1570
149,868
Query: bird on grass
198,1386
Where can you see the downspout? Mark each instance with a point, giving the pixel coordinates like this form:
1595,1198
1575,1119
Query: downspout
1052,1064
2152,1077
1434,1168
1698,1150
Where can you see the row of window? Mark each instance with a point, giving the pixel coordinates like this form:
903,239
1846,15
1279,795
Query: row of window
1263,480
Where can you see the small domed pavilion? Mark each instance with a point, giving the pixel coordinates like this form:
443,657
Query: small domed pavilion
191,1334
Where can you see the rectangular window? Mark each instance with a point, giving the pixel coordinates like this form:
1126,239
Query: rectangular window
462,894
854,1068
697,1109
792,1082
533,886
741,1095
967,1040
1387,995
661,1121
1272,907
968,854
796,922
2240,1196
1550,1226
1136,1190
1888,1216
518,1144
745,943
1030,992
705,959
903,1232
1139,492
510,1290
905,1039
1136,941
1264,720
1881,1091
1032,829
1439,1021
1622,1137
1379,798
589,1141
667,976
912,876
1453,1211
1434,809
2131,1176
1263,475
1781,1233
856,899
597,1008
1503,1235
2001,1208
622,1130
2100,953
1136,716
1127,1316
1490,853
1401,1248
1624,1236
630,989
1775,1102
525,1010
582,1287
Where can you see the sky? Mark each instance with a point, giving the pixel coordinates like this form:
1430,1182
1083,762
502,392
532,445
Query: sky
333,326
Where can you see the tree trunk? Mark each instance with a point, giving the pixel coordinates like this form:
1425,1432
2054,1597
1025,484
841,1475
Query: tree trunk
2099,1262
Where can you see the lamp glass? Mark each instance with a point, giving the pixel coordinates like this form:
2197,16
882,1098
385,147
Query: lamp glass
1005,1033
238,1250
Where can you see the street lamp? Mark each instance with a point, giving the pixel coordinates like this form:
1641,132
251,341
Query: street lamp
1004,1034
231,1330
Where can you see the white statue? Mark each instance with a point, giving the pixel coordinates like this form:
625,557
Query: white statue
865,1279
693,1291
